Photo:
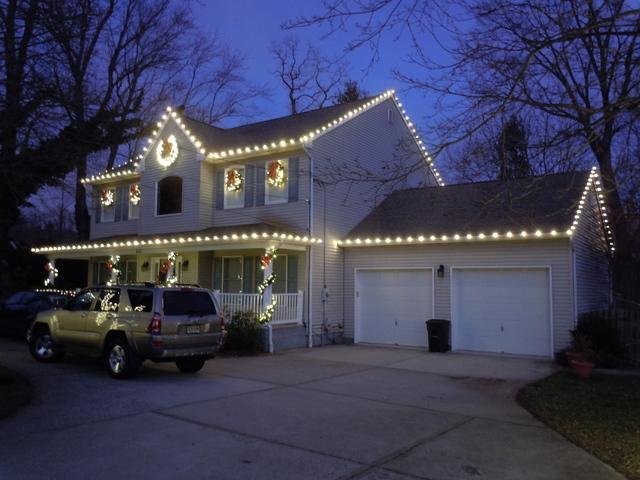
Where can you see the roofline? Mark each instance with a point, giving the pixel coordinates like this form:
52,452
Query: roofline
277,145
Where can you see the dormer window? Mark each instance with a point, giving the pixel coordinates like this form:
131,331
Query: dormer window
276,187
234,185
169,196
108,204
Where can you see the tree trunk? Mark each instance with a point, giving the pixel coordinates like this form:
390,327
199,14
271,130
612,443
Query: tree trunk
83,221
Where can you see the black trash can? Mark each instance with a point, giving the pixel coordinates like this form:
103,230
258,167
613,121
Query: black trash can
438,335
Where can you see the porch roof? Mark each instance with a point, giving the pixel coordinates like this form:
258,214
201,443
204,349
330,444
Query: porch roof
240,235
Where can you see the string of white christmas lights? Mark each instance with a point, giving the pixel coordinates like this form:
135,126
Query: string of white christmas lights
159,241
593,181
274,145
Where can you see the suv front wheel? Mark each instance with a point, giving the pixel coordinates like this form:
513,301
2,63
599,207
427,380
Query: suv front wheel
190,365
120,360
42,347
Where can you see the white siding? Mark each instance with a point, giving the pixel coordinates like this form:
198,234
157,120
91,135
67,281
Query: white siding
187,166
110,229
369,140
553,253
290,216
593,280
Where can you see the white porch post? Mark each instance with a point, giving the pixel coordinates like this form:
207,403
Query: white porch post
53,273
267,296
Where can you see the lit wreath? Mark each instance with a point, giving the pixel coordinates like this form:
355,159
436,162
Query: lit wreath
234,180
167,151
134,194
107,197
276,174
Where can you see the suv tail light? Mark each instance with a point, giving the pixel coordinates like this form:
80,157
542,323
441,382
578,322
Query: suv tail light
155,324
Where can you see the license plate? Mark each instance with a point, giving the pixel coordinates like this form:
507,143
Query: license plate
193,329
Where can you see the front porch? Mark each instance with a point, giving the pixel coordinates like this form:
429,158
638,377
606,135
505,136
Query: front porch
224,261
288,306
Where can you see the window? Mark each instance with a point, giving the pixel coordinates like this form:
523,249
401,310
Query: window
140,300
107,205
101,273
169,196
182,302
232,274
234,185
276,188
108,300
134,201
82,301
130,271
280,270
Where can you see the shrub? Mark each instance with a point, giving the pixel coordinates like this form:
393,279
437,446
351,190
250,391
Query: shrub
597,335
244,333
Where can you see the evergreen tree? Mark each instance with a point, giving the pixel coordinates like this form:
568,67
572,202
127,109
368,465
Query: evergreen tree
511,156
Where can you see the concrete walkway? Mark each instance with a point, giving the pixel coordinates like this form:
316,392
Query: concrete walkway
330,413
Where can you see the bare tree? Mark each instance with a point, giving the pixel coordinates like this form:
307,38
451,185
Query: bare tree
309,79
575,63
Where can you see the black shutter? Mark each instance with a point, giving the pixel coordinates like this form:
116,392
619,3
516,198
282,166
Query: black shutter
249,184
260,168
125,202
117,204
220,189
247,274
217,273
294,178
292,273
97,206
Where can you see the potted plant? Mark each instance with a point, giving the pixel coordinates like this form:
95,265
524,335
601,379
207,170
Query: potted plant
581,355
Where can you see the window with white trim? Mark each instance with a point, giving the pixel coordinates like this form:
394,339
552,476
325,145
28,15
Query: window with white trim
108,205
232,274
276,181
234,185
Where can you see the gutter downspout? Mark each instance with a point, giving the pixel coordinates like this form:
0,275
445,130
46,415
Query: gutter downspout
310,257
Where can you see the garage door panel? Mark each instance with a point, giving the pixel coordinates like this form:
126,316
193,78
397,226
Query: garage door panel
393,306
502,310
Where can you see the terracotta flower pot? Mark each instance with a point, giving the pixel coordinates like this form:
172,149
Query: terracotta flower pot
574,356
582,368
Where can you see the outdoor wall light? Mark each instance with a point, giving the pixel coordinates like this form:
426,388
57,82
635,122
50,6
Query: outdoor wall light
185,265
144,267
441,271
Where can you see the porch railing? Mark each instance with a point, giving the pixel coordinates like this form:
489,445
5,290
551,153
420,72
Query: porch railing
288,305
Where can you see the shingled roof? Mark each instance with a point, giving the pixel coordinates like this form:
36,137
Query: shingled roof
290,126
545,202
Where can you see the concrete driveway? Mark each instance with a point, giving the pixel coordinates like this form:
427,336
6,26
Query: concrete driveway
332,413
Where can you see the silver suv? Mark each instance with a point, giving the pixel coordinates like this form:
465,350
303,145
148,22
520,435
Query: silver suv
128,324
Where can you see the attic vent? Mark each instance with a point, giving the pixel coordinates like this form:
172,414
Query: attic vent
389,115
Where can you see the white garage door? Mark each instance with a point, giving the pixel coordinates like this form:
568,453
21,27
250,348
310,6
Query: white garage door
392,306
501,310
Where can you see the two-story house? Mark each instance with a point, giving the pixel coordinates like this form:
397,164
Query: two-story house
510,264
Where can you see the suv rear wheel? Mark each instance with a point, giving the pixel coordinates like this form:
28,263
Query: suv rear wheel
190,365
120,360
42,347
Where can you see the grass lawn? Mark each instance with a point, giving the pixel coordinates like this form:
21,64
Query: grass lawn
15,391
602,415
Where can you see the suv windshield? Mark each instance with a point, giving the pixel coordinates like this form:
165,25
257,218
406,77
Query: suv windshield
182,302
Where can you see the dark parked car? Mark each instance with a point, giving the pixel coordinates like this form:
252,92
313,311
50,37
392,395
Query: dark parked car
18,311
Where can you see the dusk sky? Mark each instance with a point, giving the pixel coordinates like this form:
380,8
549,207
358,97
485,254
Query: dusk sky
251,26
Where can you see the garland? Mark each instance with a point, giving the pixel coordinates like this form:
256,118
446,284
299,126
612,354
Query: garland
134,193
276,174
107,197
171,273
234,180
267,282
52,274
113,265
267,314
